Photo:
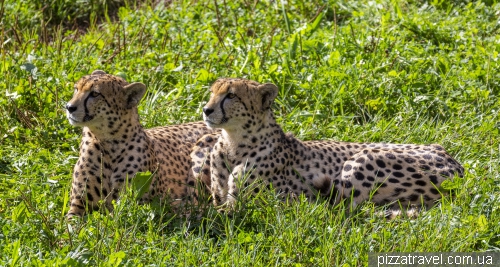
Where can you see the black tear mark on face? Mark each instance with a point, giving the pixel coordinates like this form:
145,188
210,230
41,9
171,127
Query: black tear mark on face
87,116
224,119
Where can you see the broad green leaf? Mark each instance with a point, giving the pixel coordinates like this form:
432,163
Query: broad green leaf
141,183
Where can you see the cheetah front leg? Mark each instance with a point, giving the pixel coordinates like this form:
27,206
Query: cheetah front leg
226,182
200,158
236,179
219,176
87,190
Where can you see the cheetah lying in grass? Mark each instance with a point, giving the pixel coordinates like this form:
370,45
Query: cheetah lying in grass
252,144
114,145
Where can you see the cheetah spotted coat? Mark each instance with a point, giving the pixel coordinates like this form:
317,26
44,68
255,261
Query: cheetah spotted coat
252,144
115,147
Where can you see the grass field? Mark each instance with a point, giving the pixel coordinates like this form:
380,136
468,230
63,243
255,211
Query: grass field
362,71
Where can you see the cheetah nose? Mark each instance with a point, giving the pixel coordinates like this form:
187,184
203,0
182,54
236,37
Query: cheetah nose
208,111
70,108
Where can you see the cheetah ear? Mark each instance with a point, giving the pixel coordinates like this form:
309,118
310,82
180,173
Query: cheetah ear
268,91
98,72
134,92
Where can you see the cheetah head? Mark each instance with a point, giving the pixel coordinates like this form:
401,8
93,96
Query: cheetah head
100,100
236,103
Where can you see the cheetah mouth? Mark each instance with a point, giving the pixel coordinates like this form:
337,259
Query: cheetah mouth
211,123
74,121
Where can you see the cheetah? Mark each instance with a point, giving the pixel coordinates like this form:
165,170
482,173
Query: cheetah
114,145
254,146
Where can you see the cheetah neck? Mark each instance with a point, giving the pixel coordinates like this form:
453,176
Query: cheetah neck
114,141
265,129
122,129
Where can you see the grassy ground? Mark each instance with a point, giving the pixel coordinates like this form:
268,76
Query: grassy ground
377,71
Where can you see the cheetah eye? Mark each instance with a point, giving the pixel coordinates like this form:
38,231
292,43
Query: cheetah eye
94,94
231,95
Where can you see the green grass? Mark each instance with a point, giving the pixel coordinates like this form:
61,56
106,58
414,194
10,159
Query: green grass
378,71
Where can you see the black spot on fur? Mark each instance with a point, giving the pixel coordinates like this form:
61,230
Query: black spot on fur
421,183
359,176
393,180
360,160
410,160
416,175
413,197
390,156
346,184
398,174
369,167
347,167
367,185
380,163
